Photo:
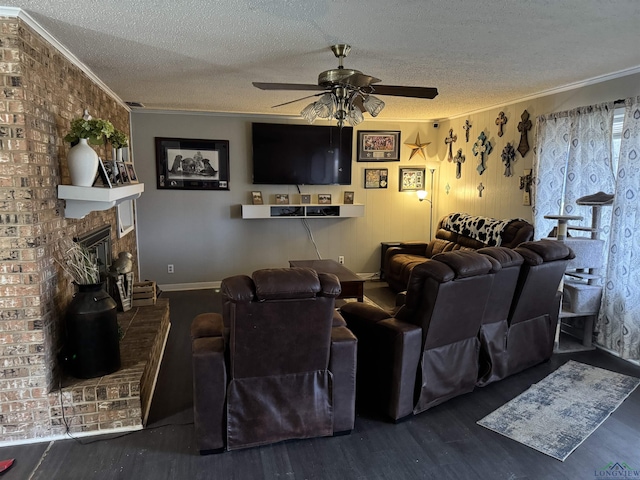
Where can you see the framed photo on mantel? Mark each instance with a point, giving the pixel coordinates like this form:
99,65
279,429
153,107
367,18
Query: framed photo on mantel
191,164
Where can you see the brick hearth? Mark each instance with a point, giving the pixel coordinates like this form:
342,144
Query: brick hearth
121,400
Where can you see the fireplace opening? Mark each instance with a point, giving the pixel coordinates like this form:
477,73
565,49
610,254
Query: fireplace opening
98,242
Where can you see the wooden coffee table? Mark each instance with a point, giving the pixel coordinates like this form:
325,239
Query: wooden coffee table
352,285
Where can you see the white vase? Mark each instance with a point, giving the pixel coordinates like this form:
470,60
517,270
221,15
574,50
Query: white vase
83,164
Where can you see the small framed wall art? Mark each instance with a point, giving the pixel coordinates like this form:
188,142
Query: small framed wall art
348,198
411,179
305,198
190,164
104,174
123,174
256,198
378,146
282,199
376,177
324,198
131,172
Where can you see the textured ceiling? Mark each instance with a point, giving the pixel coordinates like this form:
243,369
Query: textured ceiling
203,54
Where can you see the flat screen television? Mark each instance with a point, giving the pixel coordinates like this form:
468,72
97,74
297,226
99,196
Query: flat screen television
301,154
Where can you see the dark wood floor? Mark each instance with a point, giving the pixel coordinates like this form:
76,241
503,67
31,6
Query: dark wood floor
442,443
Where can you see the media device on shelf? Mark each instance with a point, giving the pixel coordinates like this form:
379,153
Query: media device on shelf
301,154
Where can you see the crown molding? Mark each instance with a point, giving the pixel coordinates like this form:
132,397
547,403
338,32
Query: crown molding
64,51
159,111
553,91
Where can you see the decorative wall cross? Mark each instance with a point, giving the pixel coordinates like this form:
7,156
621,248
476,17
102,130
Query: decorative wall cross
480,189
447,188
449,141
480,148
508,156
523,127
459,159
501,121
467,127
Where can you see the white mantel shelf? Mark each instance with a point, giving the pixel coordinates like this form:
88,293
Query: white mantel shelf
80,201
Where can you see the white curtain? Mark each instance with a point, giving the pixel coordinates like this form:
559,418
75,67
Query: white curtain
549,169
573,160
619,325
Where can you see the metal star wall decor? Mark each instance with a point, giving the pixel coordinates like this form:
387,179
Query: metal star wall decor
417,147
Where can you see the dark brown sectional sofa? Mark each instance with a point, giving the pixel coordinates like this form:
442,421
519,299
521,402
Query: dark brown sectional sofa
456,231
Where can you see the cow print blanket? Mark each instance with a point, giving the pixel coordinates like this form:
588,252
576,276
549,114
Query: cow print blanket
484,229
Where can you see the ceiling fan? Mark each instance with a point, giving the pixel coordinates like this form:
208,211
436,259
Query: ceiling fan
346,93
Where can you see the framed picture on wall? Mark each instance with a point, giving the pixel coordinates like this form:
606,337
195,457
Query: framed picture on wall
411,179
376,177
190,164
378,146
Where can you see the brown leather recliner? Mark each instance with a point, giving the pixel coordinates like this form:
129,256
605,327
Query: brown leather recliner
456,231
428,352
519,324
278,364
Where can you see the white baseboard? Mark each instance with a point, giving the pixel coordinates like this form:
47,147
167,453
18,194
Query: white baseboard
177,287
64,436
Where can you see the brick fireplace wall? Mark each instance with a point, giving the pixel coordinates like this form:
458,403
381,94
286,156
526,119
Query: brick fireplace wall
41,92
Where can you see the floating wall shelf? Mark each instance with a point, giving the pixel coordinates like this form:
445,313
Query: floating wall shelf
303,211
82,200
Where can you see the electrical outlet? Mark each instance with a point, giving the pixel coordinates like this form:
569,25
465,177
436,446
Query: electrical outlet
341,259
170,268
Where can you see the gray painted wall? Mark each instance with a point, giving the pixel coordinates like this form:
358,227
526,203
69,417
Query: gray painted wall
201,232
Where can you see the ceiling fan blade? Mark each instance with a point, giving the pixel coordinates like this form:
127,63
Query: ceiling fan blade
286,86
400,91
360,80
298,99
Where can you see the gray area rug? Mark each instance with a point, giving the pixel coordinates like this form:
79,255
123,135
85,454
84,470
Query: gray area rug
555,415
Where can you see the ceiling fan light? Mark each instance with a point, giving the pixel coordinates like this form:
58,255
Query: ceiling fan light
355,116
373,105
325,105
309,112
322,110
